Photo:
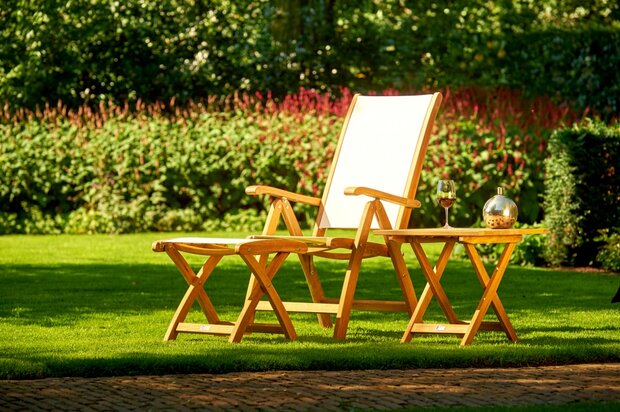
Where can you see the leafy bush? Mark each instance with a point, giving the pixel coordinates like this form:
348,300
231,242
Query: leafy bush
486,139
120,171
170,167
531,251
577,64
84,51
581,196
609,253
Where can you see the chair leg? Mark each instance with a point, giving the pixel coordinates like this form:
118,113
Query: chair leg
346,298
307,263
350,280
181,313
398,262
262,286
316,290
194,292
246,316
403,277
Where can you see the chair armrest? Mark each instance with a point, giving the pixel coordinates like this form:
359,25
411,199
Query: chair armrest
377,194
275,192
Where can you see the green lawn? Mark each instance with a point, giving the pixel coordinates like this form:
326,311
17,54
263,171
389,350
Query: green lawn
577,407
100,305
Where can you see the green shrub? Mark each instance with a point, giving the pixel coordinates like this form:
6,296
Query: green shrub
84,51
485,139
609,253
577,64
116,171
184,168
531,251
581,196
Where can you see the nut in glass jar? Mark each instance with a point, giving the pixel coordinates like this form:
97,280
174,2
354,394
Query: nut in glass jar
500,212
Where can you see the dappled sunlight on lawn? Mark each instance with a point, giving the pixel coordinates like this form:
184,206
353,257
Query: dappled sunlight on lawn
97,314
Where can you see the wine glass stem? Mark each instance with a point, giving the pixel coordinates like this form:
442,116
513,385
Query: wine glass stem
446,209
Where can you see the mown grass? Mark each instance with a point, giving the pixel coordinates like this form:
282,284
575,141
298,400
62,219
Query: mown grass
100,305
576,407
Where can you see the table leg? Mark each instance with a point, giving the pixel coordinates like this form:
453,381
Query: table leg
194,292
496,304
489,297
432,288
263,285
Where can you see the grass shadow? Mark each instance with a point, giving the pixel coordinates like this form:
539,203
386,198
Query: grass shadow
108,318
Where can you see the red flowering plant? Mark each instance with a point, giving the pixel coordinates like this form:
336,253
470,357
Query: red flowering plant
484,140
163,166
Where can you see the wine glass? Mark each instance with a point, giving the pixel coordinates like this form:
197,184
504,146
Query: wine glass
446,196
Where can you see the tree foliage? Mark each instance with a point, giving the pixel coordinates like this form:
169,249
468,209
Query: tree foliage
88,51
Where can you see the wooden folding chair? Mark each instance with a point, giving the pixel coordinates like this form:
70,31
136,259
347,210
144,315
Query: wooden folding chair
372,184
378,160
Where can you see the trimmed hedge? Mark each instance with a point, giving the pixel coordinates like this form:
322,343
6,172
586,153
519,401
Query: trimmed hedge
582,196
609,253
185,168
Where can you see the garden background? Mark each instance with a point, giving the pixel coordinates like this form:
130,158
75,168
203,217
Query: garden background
153,116
123,118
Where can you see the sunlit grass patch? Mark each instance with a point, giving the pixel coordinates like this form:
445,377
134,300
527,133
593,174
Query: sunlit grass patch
100,305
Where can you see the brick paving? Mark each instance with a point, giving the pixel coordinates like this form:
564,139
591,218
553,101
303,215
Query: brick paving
319,390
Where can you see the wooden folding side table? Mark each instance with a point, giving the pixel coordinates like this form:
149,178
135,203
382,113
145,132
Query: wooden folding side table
469,238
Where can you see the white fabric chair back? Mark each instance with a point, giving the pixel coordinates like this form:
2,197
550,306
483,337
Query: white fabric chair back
381,146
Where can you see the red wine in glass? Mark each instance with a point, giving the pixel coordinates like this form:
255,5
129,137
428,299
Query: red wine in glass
446,196
446,202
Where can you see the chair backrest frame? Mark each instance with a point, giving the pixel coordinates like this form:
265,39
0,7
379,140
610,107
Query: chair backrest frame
366,126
